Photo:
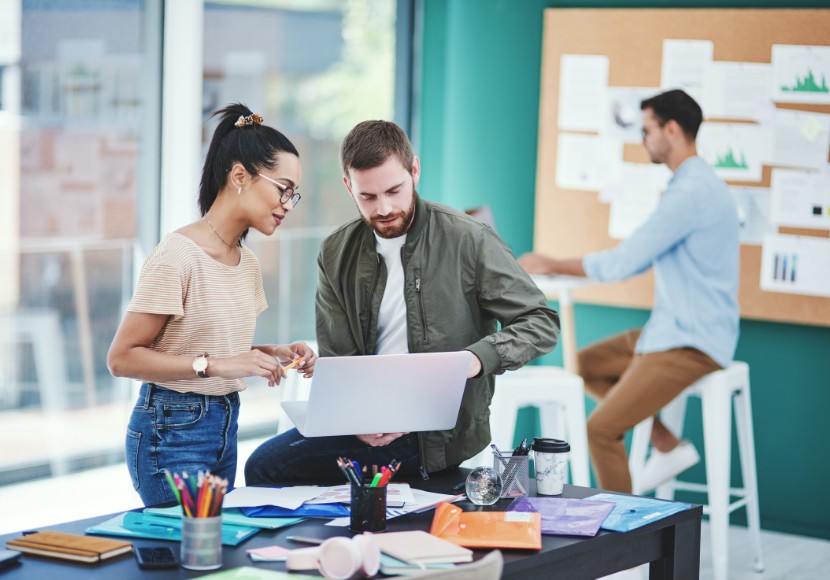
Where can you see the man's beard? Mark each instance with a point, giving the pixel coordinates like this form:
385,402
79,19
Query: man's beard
399,229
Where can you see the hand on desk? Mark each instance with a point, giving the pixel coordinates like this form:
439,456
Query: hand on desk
379,439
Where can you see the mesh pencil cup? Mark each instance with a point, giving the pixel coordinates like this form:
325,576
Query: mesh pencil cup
514,472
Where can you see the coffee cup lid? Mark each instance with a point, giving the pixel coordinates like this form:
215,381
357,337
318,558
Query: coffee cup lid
547,445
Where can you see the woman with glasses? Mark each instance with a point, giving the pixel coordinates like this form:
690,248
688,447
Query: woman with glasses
188,331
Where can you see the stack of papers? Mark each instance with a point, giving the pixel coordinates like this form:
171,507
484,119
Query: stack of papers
325,502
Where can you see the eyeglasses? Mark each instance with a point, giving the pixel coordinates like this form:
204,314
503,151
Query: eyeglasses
288,193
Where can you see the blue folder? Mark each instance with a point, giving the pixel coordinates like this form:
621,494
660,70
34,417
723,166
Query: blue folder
315,510
141,525
632,512
233,516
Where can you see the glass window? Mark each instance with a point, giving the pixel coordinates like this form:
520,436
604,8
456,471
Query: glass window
312,69
71,144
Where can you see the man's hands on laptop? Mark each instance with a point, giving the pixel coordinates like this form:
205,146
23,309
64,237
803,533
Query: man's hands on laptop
379,439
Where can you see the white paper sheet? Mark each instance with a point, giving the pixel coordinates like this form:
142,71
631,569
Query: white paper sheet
801,139
736,151
796,265
284,497
637,195
623,118
800,198
801,74
583,81
753,213
737,90
685,64
587,162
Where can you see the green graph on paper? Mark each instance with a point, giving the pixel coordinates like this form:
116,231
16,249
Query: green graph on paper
807,84
730,161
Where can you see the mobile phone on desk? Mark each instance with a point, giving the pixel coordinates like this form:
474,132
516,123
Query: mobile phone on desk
156,557
9,558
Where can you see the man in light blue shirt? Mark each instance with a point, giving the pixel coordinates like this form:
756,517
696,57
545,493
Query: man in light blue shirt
691,242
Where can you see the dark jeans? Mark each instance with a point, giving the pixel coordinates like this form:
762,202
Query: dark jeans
290,456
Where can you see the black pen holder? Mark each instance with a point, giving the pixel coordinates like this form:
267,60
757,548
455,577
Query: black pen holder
514,471
368,509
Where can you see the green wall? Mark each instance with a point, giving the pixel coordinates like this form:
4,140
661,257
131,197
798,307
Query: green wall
478,114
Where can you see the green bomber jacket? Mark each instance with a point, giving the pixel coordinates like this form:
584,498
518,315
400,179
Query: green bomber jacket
463,290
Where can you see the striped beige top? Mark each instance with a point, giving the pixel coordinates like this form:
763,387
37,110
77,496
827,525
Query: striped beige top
212,307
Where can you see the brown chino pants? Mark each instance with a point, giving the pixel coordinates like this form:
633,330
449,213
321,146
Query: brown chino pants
630,387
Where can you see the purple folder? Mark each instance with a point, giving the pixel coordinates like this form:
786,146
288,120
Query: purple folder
563,516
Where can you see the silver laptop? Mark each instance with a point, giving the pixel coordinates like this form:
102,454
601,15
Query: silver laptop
356,395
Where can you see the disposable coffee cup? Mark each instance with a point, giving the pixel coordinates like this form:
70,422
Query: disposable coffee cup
550,458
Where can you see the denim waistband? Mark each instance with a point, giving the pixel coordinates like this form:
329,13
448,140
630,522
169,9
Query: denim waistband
150,390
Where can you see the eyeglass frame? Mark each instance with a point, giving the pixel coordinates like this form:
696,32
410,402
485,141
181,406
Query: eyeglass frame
288,193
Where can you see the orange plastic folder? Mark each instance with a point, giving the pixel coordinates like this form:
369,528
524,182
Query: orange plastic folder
521,530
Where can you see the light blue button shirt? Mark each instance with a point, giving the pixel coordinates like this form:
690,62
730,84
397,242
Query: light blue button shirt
691,241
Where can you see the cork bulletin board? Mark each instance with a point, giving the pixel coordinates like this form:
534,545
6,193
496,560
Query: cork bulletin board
572,223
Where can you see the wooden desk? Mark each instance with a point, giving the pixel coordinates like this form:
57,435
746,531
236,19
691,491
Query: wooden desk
672,545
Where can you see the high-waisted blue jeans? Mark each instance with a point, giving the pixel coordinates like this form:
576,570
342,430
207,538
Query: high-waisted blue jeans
179,432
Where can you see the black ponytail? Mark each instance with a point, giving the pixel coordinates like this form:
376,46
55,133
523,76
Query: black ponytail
255,146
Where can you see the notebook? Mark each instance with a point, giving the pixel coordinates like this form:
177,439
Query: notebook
522,530
70,546
564,516
382,394
418,547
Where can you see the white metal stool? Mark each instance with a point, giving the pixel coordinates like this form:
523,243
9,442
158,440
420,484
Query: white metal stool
560,396
717,391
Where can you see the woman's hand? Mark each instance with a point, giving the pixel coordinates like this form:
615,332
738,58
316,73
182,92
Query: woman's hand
286,353
254,363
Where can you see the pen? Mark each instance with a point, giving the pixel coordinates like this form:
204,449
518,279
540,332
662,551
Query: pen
294,363
304,539
459,486
376,480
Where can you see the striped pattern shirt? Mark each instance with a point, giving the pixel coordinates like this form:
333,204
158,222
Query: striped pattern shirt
212,307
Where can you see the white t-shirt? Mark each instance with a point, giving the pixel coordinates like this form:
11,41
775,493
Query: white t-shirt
392,316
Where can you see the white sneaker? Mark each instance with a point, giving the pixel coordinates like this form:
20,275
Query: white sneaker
663,467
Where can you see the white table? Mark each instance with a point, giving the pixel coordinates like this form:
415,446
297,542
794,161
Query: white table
559,288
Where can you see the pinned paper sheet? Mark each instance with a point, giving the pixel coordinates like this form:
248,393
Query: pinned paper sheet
737,90
796,265
736,151
583,80
623,118
685,66
802,139
801,74
800,198
753,204
587,162
636,196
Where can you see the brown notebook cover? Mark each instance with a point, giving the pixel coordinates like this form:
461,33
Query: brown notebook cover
69,546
